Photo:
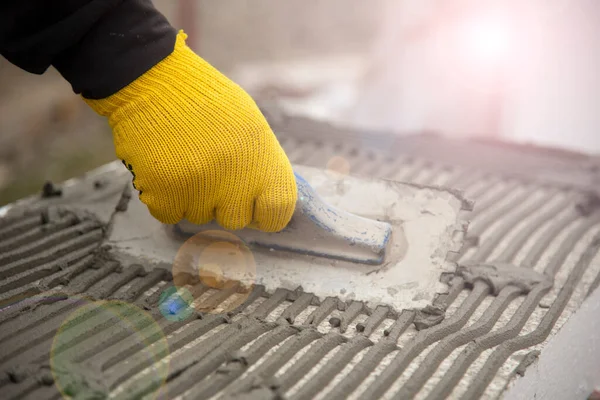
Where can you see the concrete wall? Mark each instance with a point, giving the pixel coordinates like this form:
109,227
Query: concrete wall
569,366
434,68
556,96
230,32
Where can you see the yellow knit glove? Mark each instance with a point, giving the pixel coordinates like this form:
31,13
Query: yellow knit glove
198,146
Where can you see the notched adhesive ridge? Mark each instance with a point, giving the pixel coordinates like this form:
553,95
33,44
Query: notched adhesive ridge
499,275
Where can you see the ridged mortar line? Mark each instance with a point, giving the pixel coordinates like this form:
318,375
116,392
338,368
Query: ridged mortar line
214,359
38,232
290,313
476,228
48,241
567,246
322,311
506,226
44,393
18,295
60,250
373,321
103,328
70,271
415,169
40,353
277,360
44,307
16,391
444,300
351,151
517,243
239,362
108,268
128,367
297,155
180,364
392,169
466,179
11,219
263,310
333,367
405,319
239,307
214,300
37,338
375,168
451,172
363,369
309,360
303,156
504,350
475,348
266,343
423,339
198,290
123,348
146,282
103,339
352,311
320,154
496,197
395,169
536,251
430,174
28,278
25,278
593,286
484,222
125,276
447,345
367,162
19,226
150,302
418,174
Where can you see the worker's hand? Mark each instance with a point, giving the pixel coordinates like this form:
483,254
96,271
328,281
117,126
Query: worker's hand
199,148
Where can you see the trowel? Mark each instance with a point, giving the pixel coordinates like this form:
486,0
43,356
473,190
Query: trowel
377,241
318,229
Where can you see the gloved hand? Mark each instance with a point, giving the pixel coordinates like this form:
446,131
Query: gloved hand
198,146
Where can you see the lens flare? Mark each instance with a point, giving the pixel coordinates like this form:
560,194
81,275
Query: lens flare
487,38
218,260
175,304
91,329
337,167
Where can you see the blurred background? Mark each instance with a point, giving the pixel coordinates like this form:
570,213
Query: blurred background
527,72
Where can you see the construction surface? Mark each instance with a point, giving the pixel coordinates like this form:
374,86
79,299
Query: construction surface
529,261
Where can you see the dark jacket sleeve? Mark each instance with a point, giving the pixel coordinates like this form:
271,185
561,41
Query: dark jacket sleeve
99,46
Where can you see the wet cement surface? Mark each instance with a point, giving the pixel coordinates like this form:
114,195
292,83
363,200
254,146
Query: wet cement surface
532,247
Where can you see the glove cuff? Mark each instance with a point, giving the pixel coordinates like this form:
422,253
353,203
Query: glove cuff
148,85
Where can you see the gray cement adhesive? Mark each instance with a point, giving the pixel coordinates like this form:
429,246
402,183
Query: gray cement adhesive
523,274
426,226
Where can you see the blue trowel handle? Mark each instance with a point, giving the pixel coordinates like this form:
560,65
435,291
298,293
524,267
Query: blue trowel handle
320,229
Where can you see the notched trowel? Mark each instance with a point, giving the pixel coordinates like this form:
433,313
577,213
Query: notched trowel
377,241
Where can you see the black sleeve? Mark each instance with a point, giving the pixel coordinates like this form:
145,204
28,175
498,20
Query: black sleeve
99,46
